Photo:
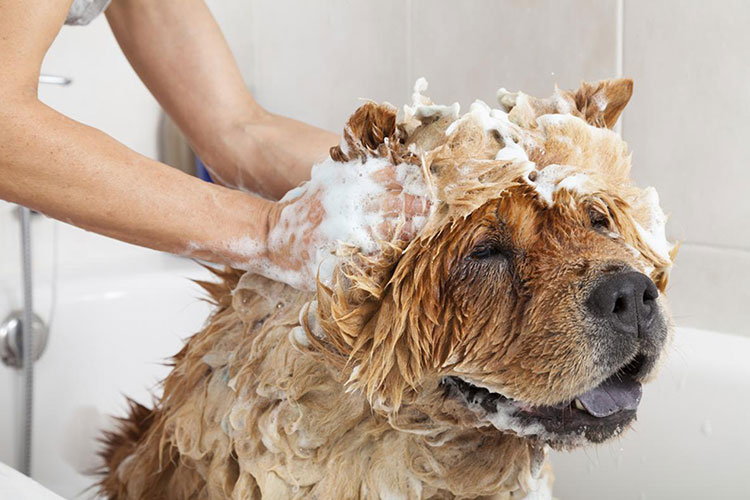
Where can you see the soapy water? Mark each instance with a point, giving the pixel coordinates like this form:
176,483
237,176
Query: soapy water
357,205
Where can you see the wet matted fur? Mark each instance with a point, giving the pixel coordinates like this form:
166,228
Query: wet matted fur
382,383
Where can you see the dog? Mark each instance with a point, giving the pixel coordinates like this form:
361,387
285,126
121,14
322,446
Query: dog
524,315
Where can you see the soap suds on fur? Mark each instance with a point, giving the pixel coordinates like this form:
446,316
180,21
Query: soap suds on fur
349,195
654,232
553,178
423,108
538,488
495,120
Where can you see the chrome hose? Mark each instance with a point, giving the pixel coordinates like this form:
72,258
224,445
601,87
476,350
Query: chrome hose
27,350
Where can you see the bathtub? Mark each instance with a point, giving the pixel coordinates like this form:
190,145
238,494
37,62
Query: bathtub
111,334
692,436
109,337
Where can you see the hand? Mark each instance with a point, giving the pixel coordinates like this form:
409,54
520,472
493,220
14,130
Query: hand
352,205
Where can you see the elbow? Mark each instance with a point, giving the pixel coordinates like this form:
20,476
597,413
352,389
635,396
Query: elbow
18,93
19,128
9,122
15,103
18,108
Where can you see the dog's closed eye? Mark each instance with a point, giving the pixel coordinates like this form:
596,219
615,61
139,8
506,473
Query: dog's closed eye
487,259
489,250
599,221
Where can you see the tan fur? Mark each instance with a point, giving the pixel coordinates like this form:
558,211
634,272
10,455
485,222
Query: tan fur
334,395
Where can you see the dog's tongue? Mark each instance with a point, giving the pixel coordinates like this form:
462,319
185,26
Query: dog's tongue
619,392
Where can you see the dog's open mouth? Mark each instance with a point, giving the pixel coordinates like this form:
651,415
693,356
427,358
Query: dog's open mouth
594,416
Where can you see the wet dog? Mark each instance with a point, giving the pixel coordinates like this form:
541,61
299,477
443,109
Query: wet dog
525,314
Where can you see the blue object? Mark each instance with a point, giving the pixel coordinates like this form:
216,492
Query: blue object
201,171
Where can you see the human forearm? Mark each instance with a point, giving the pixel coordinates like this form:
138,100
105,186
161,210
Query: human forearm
180,54
80,175
276,153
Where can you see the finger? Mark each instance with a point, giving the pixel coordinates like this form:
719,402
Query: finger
405,203
385,203
387,177
384,175
415,205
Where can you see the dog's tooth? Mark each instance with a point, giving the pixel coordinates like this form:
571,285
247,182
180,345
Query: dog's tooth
579,405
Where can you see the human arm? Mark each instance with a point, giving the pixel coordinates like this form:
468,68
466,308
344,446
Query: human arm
80,175
179,52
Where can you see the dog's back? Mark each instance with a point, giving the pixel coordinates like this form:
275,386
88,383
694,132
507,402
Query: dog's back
141,460
182,448
247,409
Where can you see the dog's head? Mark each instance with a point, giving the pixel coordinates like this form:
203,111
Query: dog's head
532,300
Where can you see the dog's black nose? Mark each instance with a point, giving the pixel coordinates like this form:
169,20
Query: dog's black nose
627,301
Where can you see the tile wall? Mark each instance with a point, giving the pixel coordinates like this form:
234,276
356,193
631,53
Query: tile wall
687,123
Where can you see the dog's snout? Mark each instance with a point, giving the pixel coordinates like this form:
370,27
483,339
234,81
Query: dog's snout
627,301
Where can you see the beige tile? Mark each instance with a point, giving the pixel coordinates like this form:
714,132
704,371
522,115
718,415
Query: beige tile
467,50
315,59
234,17
106,92
689,121
709,289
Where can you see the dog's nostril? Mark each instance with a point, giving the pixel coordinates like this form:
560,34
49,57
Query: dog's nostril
626,301
621,305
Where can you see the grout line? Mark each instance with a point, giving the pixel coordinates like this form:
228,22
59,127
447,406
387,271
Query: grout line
253,85
409,47
619,38
712,246
619,49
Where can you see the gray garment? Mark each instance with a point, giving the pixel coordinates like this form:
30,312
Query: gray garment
84,11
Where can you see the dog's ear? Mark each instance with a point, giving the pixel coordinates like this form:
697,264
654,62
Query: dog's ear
369,132
601,103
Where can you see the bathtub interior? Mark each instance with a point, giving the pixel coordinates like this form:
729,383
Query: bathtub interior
691,439
114,336
114,323
113,330
15,485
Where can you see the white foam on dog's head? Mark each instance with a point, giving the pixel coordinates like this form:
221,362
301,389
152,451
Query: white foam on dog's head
517,141
495,120
348,191
653,233
423,108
